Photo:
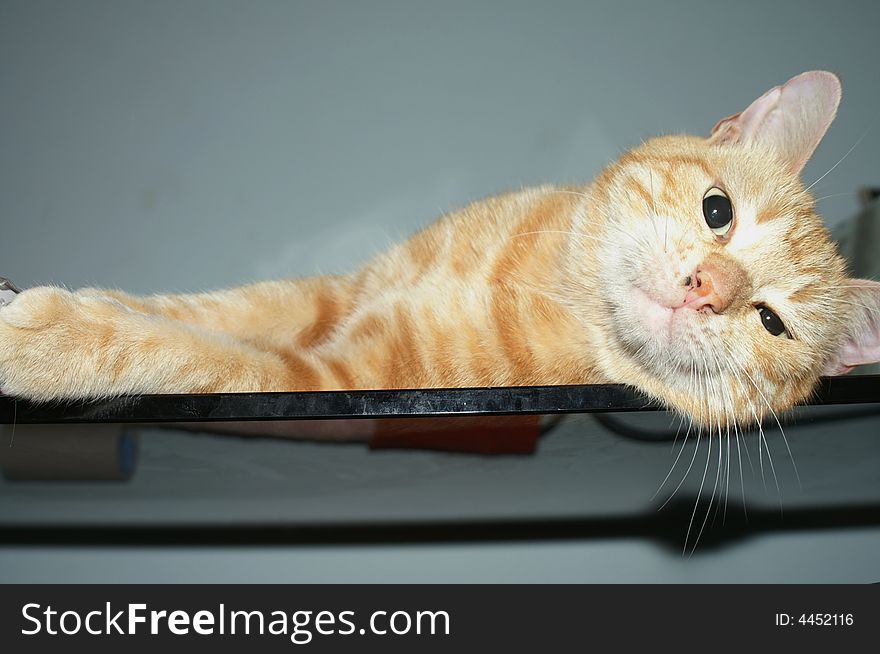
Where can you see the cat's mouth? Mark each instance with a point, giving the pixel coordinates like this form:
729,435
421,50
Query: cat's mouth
664,339
664,318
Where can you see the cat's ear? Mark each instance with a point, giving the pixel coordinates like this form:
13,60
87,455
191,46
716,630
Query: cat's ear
792,118
862,343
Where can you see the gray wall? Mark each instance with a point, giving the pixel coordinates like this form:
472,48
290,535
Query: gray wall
172,145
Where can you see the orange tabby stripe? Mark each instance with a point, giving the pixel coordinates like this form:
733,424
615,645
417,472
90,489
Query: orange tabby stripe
329,310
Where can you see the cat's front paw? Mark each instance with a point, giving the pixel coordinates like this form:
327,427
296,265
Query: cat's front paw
38,307
37,331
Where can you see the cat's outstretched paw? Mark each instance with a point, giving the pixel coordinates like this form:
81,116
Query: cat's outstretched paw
38,307
38,333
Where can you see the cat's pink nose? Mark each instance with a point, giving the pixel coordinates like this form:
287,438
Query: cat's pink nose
708,288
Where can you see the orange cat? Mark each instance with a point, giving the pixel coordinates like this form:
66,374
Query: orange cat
693,269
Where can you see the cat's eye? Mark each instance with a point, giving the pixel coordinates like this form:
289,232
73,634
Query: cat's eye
717,211
772,323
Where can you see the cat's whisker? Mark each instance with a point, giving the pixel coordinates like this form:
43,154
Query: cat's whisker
854,283
742,484
846,297
727,466
699,497
852,303
855,304
690,393
728,407
745,445
772,468
691,383
724,484
669,474
781,430
754,415
715,489
761,456
762,439
700,390
687,472
681,418
733,372
714,424
848,152
833,195
638,240
14,422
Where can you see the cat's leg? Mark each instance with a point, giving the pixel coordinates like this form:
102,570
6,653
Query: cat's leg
55,344
300,313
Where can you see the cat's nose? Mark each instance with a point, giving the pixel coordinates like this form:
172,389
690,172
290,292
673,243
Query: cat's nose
708,288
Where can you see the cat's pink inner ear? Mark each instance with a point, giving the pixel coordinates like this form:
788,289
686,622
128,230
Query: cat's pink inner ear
792,118
862,344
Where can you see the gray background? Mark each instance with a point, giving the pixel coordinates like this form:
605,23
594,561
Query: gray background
190,145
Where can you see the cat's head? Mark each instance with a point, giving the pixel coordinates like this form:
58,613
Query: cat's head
724,294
